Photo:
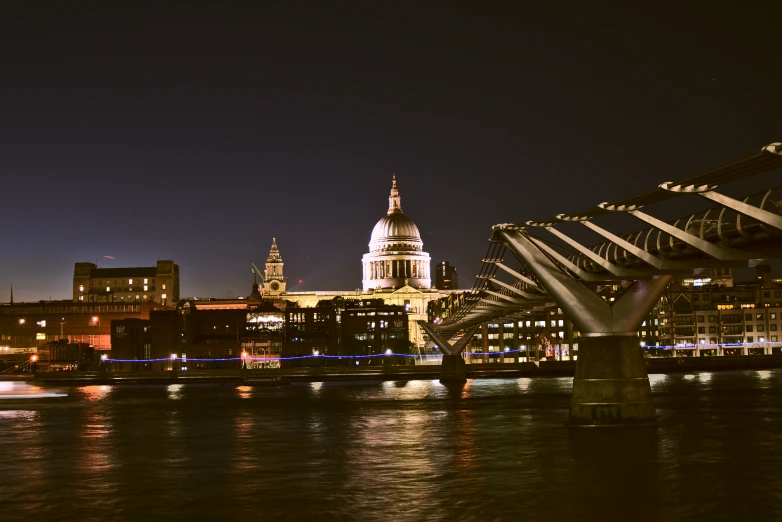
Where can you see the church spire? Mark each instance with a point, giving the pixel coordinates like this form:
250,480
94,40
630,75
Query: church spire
274,253
394,201
273,281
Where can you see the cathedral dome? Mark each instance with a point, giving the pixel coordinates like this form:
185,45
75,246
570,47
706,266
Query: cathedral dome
396,257
395,229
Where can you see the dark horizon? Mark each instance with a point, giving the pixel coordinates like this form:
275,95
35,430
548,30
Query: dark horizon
197,135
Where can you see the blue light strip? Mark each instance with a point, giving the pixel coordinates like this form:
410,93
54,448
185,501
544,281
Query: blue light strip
189,359
374,356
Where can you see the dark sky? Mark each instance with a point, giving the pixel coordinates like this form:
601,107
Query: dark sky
198,134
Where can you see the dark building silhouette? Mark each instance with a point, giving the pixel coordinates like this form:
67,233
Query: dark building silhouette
310,331
346,327
62,355
131,339
201,334
370,327
445,277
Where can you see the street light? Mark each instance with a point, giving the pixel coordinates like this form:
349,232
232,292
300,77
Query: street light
244,360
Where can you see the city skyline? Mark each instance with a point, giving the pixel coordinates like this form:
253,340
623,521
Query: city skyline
199,135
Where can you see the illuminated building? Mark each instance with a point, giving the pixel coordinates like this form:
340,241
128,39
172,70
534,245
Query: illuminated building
273,279
396,257
445,277
696,315
158,284
26,326
396,270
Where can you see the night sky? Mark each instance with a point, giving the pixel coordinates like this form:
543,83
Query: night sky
198,135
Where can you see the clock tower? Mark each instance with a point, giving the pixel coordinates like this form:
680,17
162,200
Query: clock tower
273,280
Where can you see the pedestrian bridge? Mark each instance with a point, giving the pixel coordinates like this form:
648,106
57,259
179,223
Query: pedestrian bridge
557,262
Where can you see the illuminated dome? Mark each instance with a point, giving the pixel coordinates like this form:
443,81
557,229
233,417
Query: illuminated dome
395,230
395,256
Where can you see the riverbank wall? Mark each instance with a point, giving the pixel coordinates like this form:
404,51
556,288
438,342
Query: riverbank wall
393,373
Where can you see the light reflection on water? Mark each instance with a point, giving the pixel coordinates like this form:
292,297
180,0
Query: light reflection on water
95,393
399,450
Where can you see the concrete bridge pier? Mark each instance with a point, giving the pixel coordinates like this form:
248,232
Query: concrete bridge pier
453,368
611,386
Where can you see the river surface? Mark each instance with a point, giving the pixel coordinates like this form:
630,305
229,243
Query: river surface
416,450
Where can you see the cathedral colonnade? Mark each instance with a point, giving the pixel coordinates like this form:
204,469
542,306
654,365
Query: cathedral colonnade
377,269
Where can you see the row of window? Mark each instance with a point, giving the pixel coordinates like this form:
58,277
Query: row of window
728,297
130,282
529,324
757,316
130,297
749,339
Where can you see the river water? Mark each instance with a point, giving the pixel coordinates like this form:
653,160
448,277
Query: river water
416,450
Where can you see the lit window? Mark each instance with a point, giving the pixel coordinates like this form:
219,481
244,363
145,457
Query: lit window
164,286
81,288
108,289
163,296
81,298
146,281
40,337
145,286
130,281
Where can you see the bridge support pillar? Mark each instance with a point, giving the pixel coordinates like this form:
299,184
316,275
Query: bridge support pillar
453,369
611,386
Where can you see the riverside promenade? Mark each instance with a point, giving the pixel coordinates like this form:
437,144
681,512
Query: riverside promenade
279,376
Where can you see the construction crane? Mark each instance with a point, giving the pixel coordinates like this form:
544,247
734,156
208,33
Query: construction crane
257,272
